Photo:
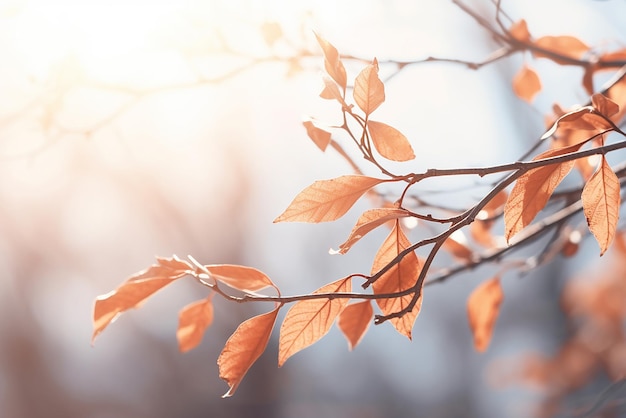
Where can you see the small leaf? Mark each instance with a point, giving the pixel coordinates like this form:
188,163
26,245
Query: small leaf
390,142
495,204
400,277
272,32
526,84
331,92
456,245
567,46
320,137
246,279
193,320
480,230
327,200
584,118
368,221
332,62
601,204
309,320
136,290
483,307
369,91
533,190
604,105
519,31
354,321
244,347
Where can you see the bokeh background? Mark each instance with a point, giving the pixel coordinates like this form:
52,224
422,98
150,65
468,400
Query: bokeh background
130,129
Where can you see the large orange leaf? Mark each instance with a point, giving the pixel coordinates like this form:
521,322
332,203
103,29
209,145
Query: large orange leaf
483,307
567,46
390,142
601,204
354,321
246,279
369,91
136,290
332,63
368,221
244,347
526,84
400,277
327,200
533,190
193,320
320,137
309,320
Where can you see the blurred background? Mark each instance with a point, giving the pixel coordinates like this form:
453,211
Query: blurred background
130,129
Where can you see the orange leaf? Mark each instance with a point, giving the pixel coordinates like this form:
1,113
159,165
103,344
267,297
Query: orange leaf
193,320
480,230
604,105
584,118
331,91
526,84
368,221
496,203
244,347
309,320
601,204
567,46
369,91
327,200
483,307
519,31
390,142
455,244
400,277
246,279
533,190
617,93
136,290
332,63
320,137
354,321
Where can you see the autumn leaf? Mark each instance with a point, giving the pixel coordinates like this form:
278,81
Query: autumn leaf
480,231
327,200
309,320
601,204
246,279
533,190
456,245
354,320
369,91
585,118
244,347
400,277
136,290
368,221
319,136
389,142
567,46
331,92
483,307
332,62
193,320
519,31
604,105
526,84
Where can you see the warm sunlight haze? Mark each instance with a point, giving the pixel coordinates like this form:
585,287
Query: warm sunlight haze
347,208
